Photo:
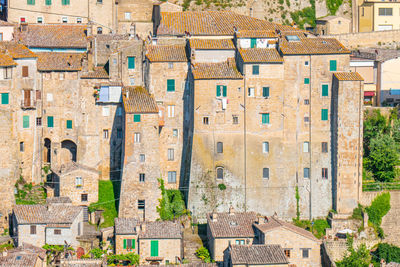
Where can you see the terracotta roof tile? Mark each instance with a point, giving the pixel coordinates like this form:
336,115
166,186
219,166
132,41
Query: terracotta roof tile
59,61
260,55
126,226
311,46
16,50
272,223
257,254
166,53
211,44
58,200
233,224
161,229
20,259
96,73
6,61
54,36
6,23
138,100
348,76
222,70
42,214
256,34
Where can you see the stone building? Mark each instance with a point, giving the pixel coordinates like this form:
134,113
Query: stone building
6,31
155,242
377,15
332,25
24,256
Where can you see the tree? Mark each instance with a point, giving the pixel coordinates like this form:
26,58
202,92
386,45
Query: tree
380,206
356,258
383,158
203,254
374,124
171,204
387,252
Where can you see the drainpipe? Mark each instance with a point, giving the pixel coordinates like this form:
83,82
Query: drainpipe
310,151
244,137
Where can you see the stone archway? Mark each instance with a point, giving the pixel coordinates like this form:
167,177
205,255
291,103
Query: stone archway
72,147
47,150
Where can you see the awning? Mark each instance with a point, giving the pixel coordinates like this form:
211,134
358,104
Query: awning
370,93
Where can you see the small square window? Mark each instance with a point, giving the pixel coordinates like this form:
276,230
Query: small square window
79,20
127,15
305,253
287,252
265,118
266,173
64,20
324,147
306,119
141,204
22,20
306,172
131,81
175,132
142,177
172,177
57,231
256,70
205,120
39,20
136,118
306,80
235,119
142,157
306,63
306,102
84,197
324,173
170,65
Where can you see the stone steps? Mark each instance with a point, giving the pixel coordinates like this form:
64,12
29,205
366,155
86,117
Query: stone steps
191,242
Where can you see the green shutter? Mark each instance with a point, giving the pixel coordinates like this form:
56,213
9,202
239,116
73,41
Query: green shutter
324,114
124,243
325,89
253,42
133,243
31,2
256,69
219,90
48,2
136,118
332,65
65,2
306,80
25,122
154,248
131,63
50,121
265,91
4,98
171,85
69,124
265,118
224,88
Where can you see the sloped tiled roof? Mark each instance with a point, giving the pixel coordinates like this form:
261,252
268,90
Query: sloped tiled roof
222,44
232,224
312,46
272,223
260,55
126,225
348,76
6,61
257,254
54,36
5,23
256,34
16,50
58,200
26,255
221,70
97,73
161,229
166,53
42,214
211,23
50,61
138,100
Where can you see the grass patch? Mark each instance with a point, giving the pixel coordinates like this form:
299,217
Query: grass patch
318,229
108,193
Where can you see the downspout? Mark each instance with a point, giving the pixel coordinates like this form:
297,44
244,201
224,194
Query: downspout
244,137
361,97
310,151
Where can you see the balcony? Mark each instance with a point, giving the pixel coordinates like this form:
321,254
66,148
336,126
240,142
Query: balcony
28,104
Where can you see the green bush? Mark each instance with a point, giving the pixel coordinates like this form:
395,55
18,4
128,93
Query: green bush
222,187
333,5
319,227
203,254
387,252
171,204
357,213
357,258
380,206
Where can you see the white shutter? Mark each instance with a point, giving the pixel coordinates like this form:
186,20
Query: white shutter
115,94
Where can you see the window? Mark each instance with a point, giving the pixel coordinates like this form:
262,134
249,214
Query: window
324,173
65,2
127,15
253,42
205,120
306,119
385,11
84,197
265,118
154,248
265,147
220,147
4,98
305,252
57,231
256,69
99,30
306,147
136,118
170,85
119,133
239,242
266,173
324,114
306,172
25,71
39,20
21,146
131,81
78,181
48,2
142,157
306,63
129,243
171,111
31,2
136,137
33,229
25,121
170,65
175,132
306,80
69,124
220,173
142,177
131,63
119,111
332,65
170,154
324,147
287,252
105,133
306,102
235,119
49,97
50,121
265,92
39,121
141,204
79,20
64,19
172,177
22,19
221,90
38,95
325,90
99,1
7,73
250,91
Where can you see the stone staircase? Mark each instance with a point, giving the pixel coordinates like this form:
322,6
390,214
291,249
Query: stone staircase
191,242
390,222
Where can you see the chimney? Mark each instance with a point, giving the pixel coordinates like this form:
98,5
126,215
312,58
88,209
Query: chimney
214,216
5,253
143,227
262,220
23,27
231,210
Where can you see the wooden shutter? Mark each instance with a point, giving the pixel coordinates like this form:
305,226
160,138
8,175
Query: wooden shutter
131,63
25,71
133,243
332,65
50,121
170,85
218,90
38,95
265,91
325,90
324,114
224,89
253,42
25,122
124,243
4,98
27,98
154,248
136,118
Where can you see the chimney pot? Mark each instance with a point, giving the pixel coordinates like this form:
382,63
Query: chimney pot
231,210
214,216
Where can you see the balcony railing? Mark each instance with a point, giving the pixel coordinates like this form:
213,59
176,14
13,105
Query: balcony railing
28,104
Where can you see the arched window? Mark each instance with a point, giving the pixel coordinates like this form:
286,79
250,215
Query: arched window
220,173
